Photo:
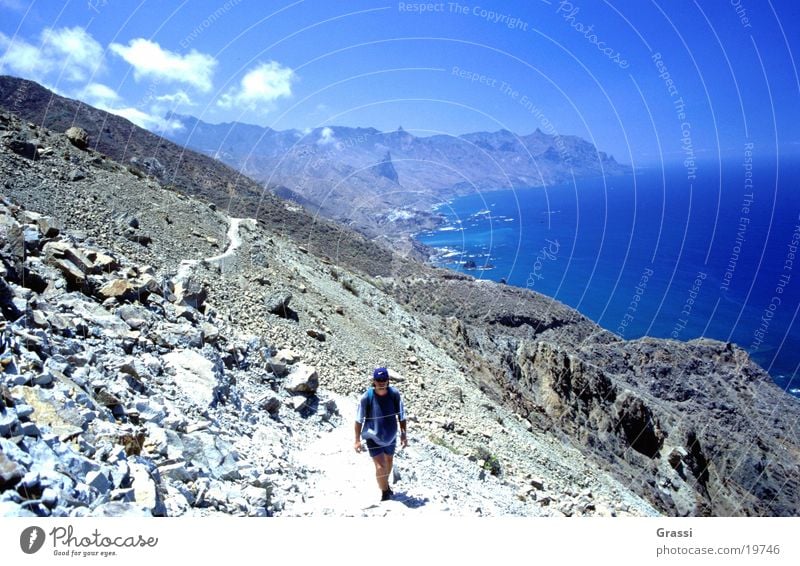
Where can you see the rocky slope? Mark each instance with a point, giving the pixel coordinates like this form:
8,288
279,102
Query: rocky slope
169,343
162,358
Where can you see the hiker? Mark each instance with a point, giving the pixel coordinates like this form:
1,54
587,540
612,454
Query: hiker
379,411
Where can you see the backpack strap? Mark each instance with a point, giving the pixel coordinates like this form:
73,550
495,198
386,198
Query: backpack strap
397,403
368,412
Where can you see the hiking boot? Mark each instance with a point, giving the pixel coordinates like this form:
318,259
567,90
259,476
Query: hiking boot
387,495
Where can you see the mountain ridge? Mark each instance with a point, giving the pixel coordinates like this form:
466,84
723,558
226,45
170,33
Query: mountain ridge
331,168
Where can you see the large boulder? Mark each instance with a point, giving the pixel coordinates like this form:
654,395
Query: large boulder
212,454
10,472
198,377
278,303
77,137
190,292
303,379
171,336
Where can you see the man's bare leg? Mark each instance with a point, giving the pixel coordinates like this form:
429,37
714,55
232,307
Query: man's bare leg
383,467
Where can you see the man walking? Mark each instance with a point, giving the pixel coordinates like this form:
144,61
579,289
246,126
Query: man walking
379,411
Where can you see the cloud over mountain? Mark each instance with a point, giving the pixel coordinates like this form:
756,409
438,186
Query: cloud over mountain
262,85
151,61
69,54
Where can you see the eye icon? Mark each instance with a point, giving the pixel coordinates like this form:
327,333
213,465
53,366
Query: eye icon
31,540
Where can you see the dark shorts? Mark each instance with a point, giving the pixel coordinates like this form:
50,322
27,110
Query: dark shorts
375,449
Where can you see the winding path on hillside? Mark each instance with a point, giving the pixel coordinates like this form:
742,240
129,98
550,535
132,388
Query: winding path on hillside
234,243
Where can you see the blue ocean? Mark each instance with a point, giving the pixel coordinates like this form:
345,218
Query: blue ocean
664,252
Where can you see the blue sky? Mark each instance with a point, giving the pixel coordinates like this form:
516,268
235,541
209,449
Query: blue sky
645,80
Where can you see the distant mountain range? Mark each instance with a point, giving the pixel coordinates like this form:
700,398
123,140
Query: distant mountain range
363,177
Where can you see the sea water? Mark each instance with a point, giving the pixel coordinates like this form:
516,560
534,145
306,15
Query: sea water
664,252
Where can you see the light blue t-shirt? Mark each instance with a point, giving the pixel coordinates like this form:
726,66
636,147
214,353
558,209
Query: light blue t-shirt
381,427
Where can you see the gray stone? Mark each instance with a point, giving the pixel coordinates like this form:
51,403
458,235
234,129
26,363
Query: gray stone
138,236
271,404
99,481
196,375
176,502
61,323
172,336
329,409
122,289
10,472
138,313
30,429
70,271
298,402
279,369
17,454
44,379
76,174
178,472
9,423
23,411
123,494
77,137
278,303
31,237
50,497
49,227
146,492
101,262
150,410
76,464
22,148
537,483
256,496
64,251
210,332
190,292
94,314
316,334
39,319
156,441
121,471
29,481
303,379
286,356
212,454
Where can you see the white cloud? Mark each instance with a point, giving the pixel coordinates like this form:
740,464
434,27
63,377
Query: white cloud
150,60
82,55
326,137
69,53
97,93
176,99
14,5
144,120
262,85
23,59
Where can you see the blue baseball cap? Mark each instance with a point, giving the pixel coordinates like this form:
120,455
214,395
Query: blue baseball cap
380,374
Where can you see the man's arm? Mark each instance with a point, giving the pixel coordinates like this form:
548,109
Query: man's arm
401,417
358,446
